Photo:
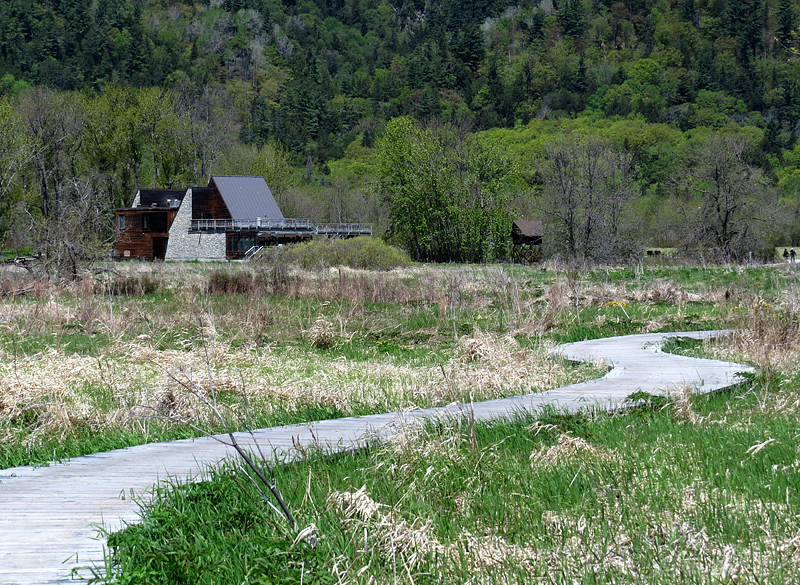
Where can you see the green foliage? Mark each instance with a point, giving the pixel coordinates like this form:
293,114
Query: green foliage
445,193
314,76
119,95
15,148
367,253
683,346
223,536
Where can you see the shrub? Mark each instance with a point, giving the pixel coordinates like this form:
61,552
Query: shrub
23,284
364,252
230,282
134,285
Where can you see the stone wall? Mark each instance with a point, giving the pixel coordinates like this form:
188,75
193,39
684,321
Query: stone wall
183,245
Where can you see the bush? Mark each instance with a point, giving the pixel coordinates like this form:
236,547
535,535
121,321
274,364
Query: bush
23,284
230,282
364,252
134,285
276,280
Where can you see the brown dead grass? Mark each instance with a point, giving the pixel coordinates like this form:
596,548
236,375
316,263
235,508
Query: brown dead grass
570,448
322,334
411,542
133,365
767,336
602,542
64,391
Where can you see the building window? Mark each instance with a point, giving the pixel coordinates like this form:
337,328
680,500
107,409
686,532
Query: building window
158,222
120,222
145,222
240,244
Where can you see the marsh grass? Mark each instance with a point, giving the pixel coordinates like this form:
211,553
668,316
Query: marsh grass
332,340
693,489
681,489
79,360
646,497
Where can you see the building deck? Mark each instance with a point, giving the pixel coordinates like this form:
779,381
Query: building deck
281,226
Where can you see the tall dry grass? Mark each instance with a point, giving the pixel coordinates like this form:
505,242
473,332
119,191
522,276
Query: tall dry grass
84,353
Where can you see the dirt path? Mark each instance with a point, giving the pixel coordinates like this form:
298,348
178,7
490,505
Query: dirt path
48,515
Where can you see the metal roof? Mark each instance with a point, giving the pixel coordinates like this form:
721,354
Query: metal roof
530,229
247,197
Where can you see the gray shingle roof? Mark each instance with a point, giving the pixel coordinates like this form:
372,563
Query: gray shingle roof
247,197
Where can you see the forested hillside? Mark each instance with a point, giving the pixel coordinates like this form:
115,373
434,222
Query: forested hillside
103,96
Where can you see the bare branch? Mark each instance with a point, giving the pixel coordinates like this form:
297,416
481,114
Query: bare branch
193,390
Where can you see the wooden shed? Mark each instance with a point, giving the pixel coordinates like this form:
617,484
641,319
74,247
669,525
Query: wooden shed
526,238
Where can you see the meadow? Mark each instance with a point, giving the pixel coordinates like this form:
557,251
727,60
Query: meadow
689,489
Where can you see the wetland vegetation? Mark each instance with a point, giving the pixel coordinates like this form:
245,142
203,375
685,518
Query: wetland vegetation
688,489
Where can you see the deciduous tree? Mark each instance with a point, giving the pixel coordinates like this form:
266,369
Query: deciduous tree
166,131
727,202
54,124
271,161
15,149
445,192
587,186
77,234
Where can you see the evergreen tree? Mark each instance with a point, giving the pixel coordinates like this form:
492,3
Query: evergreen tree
787,20
468,46
744,20
571,18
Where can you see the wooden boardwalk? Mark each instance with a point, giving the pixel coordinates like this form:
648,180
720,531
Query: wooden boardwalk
49,515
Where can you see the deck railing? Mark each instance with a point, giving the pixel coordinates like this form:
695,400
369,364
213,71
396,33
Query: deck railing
238,225
329,229
305,226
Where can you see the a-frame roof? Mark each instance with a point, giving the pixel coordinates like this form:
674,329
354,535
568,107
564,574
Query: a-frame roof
246,197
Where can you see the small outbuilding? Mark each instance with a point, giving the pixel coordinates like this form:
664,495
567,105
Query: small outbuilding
526,238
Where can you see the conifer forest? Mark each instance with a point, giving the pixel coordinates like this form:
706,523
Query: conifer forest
621,125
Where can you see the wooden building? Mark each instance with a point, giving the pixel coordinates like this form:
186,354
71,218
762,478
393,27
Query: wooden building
526,239
231,218
143,230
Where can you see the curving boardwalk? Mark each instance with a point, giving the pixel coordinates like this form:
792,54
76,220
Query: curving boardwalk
49,515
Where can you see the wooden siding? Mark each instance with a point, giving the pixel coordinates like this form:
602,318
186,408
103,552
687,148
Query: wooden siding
207,203
138,241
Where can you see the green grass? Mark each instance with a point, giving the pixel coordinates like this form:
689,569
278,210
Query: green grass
22,447
93,348
409,319
665,501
